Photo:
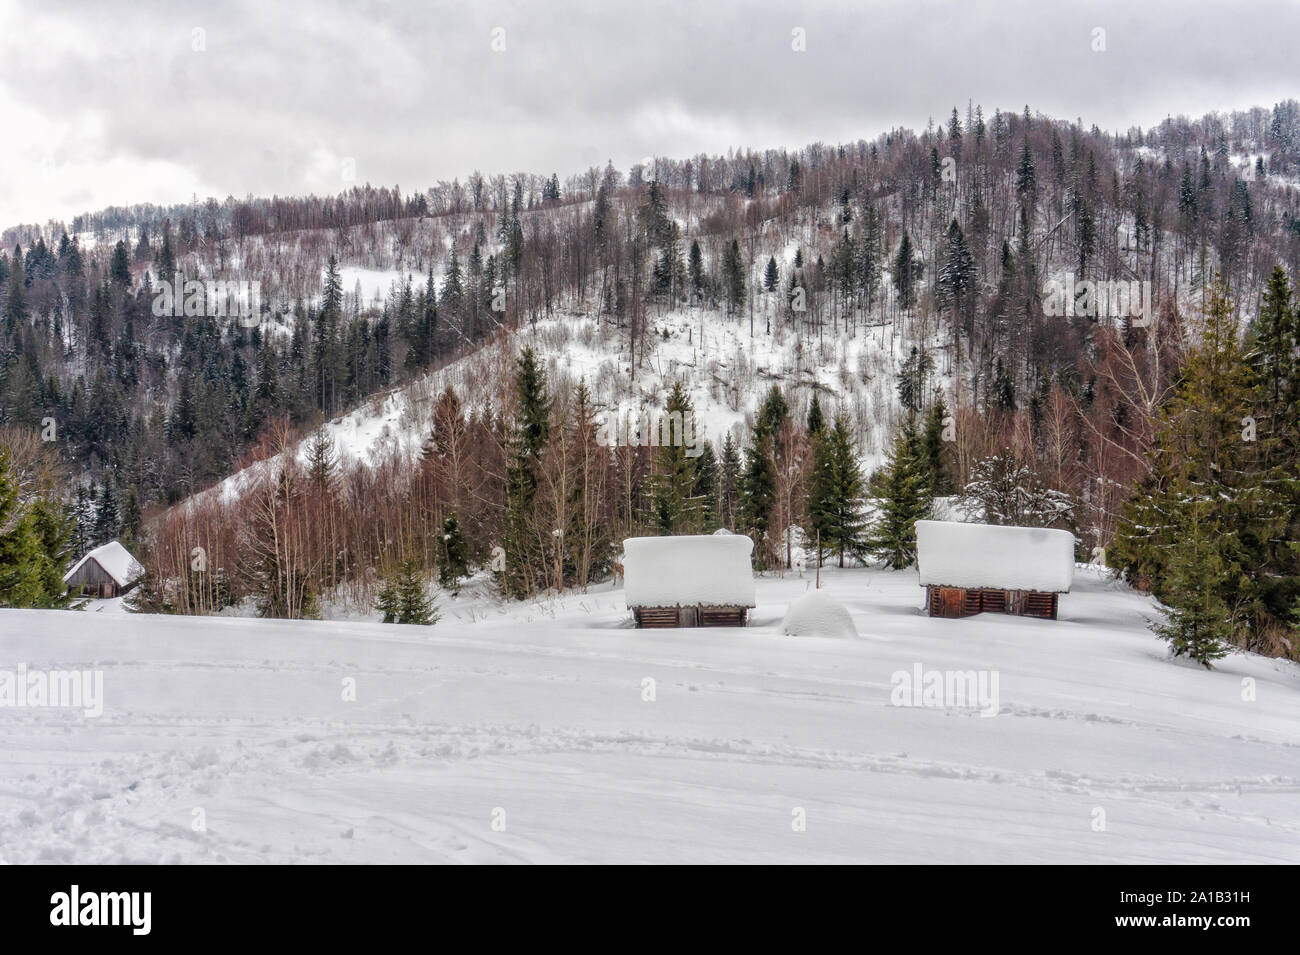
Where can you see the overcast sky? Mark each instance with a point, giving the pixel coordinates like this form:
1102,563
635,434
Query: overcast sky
106,103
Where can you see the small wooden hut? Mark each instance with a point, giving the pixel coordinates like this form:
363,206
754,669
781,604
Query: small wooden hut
704,580
107,571
983,568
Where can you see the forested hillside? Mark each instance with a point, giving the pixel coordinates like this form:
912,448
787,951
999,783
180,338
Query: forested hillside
892,302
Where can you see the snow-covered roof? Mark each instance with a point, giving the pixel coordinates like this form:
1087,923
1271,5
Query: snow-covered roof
116,561
955,554
689,571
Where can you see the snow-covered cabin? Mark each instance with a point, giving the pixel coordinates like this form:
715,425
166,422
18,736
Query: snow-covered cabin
107,571
984,568
704,580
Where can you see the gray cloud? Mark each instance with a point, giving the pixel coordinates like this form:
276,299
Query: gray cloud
110,103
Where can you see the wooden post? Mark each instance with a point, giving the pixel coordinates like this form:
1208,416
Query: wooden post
819,560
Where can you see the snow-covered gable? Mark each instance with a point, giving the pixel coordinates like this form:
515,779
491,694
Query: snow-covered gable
116,561
689,571
952,554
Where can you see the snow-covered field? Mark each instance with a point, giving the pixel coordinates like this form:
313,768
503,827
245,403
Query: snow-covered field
523,733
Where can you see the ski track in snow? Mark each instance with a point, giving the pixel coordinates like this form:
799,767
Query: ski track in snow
536,710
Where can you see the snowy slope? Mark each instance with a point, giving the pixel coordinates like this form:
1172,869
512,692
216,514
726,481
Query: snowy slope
537,711
726,371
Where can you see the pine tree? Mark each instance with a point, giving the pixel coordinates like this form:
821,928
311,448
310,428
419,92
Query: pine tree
706,488
15,309
900,490
1273,341
1201,470
695,267
404,598
772,276
733,276
913,376
322,463
835,491
453,286
1272,355
106,522
757,485
83,517
143,251
53,528
905,269
729,483
35,546
1004,389
934,448
674,509
453,556
166,261
1026,176
119,267
815,419
1199,572
528,438
955,284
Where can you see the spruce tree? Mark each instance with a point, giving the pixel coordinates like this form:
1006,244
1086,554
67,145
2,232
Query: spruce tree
1199,572
758,477
119,267
733,276
51,529
695,267
322,463
729,483
815,419
934,448
106,522
913,376
529,435
758,496
835,490
166,261
1201,470
453,555
905,268
900,489
674,508
34,546
403,598
955,284
706,488
1272,355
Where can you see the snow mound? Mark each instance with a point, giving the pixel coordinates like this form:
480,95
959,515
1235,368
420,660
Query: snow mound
817,614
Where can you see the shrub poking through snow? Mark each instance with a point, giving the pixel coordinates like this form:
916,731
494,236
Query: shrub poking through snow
817,614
